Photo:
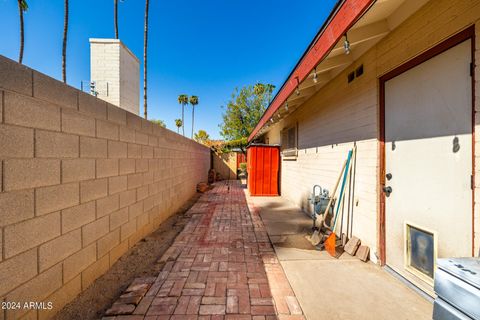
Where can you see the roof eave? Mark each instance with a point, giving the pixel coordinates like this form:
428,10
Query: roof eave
346,15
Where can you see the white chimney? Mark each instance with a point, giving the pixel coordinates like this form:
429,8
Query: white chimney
115,74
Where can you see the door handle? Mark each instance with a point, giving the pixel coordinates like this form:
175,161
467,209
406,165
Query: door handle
388,190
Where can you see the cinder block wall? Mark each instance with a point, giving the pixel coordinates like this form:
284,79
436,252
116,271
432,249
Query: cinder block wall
81,181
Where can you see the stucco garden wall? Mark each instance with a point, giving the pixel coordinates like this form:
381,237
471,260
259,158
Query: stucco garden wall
225,164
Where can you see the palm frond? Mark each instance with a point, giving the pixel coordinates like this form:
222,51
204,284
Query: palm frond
194,100
23,5
183,99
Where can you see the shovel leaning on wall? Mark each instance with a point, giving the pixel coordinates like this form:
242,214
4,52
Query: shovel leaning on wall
331,242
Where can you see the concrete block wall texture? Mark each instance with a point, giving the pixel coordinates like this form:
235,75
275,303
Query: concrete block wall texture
340,114
81,181
116,72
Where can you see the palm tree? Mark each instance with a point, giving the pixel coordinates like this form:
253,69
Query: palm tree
22,7
259,88
193,102
145,45
64,48
159,122
178,123
183,100
202,137
115,17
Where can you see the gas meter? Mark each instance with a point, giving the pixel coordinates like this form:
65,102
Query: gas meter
320,199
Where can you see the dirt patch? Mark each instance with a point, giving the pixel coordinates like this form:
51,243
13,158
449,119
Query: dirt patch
139,261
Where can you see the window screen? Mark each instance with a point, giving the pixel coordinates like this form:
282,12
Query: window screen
289,141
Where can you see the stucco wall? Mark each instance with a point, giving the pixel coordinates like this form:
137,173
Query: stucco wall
81,181
340,114
129,81
116,72
225,164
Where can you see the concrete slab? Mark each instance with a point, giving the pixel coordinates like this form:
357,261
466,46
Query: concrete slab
281,217
329,288
341,289
292,254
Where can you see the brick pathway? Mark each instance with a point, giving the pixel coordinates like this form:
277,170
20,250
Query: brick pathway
222,266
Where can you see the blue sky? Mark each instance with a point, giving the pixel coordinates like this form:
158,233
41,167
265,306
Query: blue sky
204,48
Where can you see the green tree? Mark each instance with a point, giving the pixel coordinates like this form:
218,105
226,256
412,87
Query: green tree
259,88
178,123
228,146
202,137
161,123
145,46
193,102
244,110
22,7
183,101
64,46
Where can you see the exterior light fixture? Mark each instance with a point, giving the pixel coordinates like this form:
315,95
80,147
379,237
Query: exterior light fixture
346,45
286,106
315,78
271,120
297,90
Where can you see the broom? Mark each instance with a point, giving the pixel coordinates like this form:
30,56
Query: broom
330,243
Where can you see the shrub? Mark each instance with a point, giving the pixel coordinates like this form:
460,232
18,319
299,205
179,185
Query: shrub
243,166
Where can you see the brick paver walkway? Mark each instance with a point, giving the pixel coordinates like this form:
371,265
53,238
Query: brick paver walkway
222,266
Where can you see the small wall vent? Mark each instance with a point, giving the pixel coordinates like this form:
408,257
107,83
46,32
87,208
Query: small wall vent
355,74
351,77
359,71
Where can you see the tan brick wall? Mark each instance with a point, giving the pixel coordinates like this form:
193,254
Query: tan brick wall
340,114
81,181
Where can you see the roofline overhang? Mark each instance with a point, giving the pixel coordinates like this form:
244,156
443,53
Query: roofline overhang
344,17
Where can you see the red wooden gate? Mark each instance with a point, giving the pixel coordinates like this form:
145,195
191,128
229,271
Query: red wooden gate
263,167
